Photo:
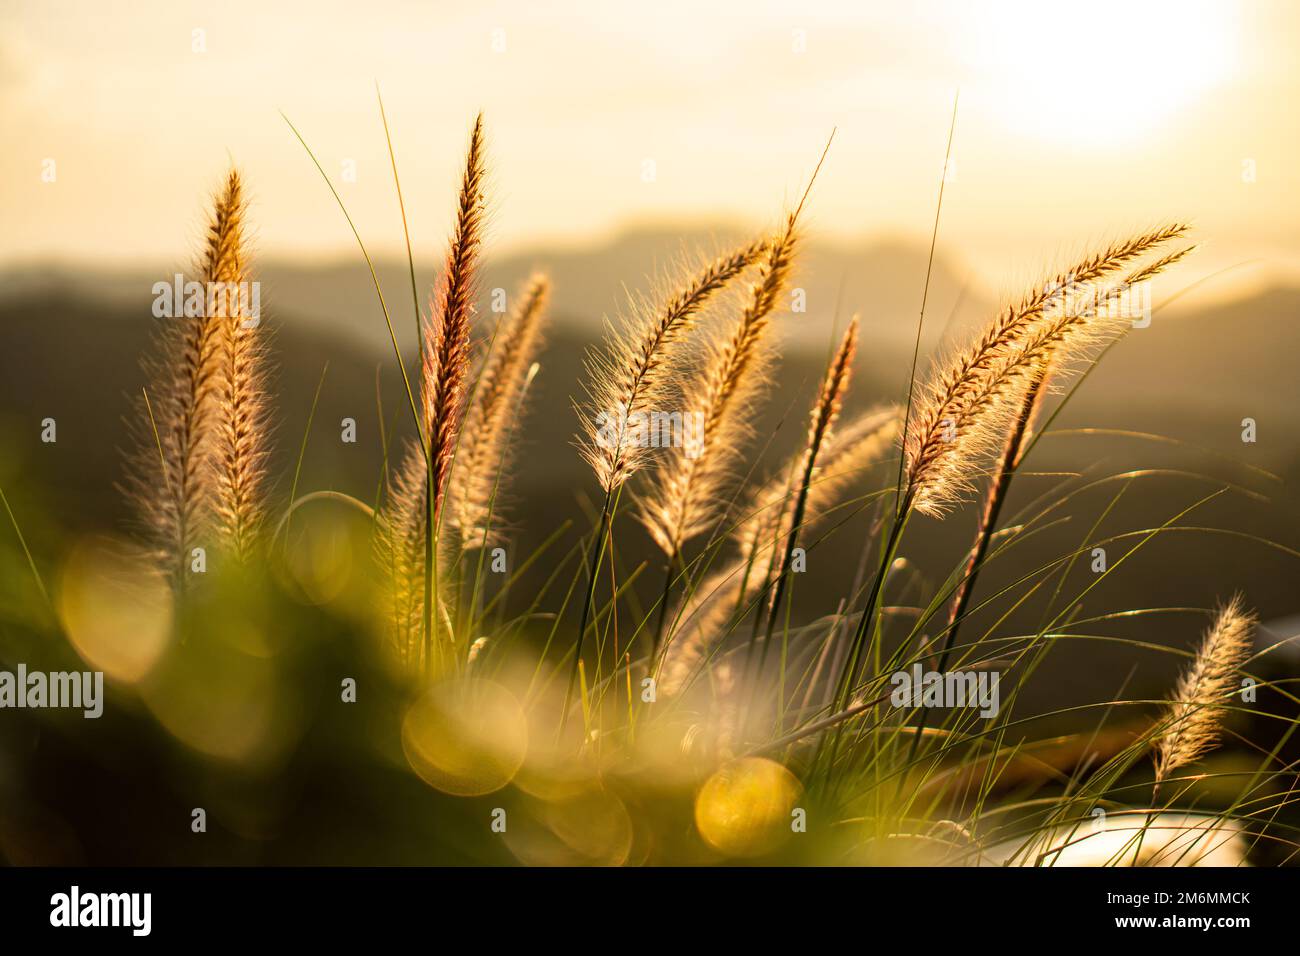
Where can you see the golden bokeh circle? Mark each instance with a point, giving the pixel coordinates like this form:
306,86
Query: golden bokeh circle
466,737
115,607
595,825
744,808
320,557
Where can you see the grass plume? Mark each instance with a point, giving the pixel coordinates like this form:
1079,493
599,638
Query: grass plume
1194,719
408,535
244,439
964,412
445,355
1056,353
173,476
830,399
683,500
634,375
484,449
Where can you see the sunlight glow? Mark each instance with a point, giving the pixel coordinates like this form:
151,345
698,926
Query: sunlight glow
1102,76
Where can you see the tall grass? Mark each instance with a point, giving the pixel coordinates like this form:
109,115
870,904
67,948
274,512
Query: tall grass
202,428
722,665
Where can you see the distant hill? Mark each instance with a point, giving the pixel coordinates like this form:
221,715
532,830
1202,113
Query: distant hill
880,279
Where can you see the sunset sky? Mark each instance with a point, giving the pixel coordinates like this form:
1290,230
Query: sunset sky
1075,121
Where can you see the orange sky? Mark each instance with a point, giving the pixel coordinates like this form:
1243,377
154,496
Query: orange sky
1076,122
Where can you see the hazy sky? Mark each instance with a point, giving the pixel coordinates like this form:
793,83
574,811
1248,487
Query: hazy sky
1075,121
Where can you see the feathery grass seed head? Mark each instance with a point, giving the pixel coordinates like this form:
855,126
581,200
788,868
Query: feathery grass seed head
1200,701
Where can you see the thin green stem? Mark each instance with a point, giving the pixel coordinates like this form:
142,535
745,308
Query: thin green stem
31,563
593,570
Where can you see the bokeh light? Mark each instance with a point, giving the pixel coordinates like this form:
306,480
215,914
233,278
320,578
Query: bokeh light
745,808
116,609
466,737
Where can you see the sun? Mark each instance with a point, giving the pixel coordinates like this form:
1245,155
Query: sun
1096,75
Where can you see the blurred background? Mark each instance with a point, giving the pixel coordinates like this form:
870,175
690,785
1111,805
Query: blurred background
626,140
